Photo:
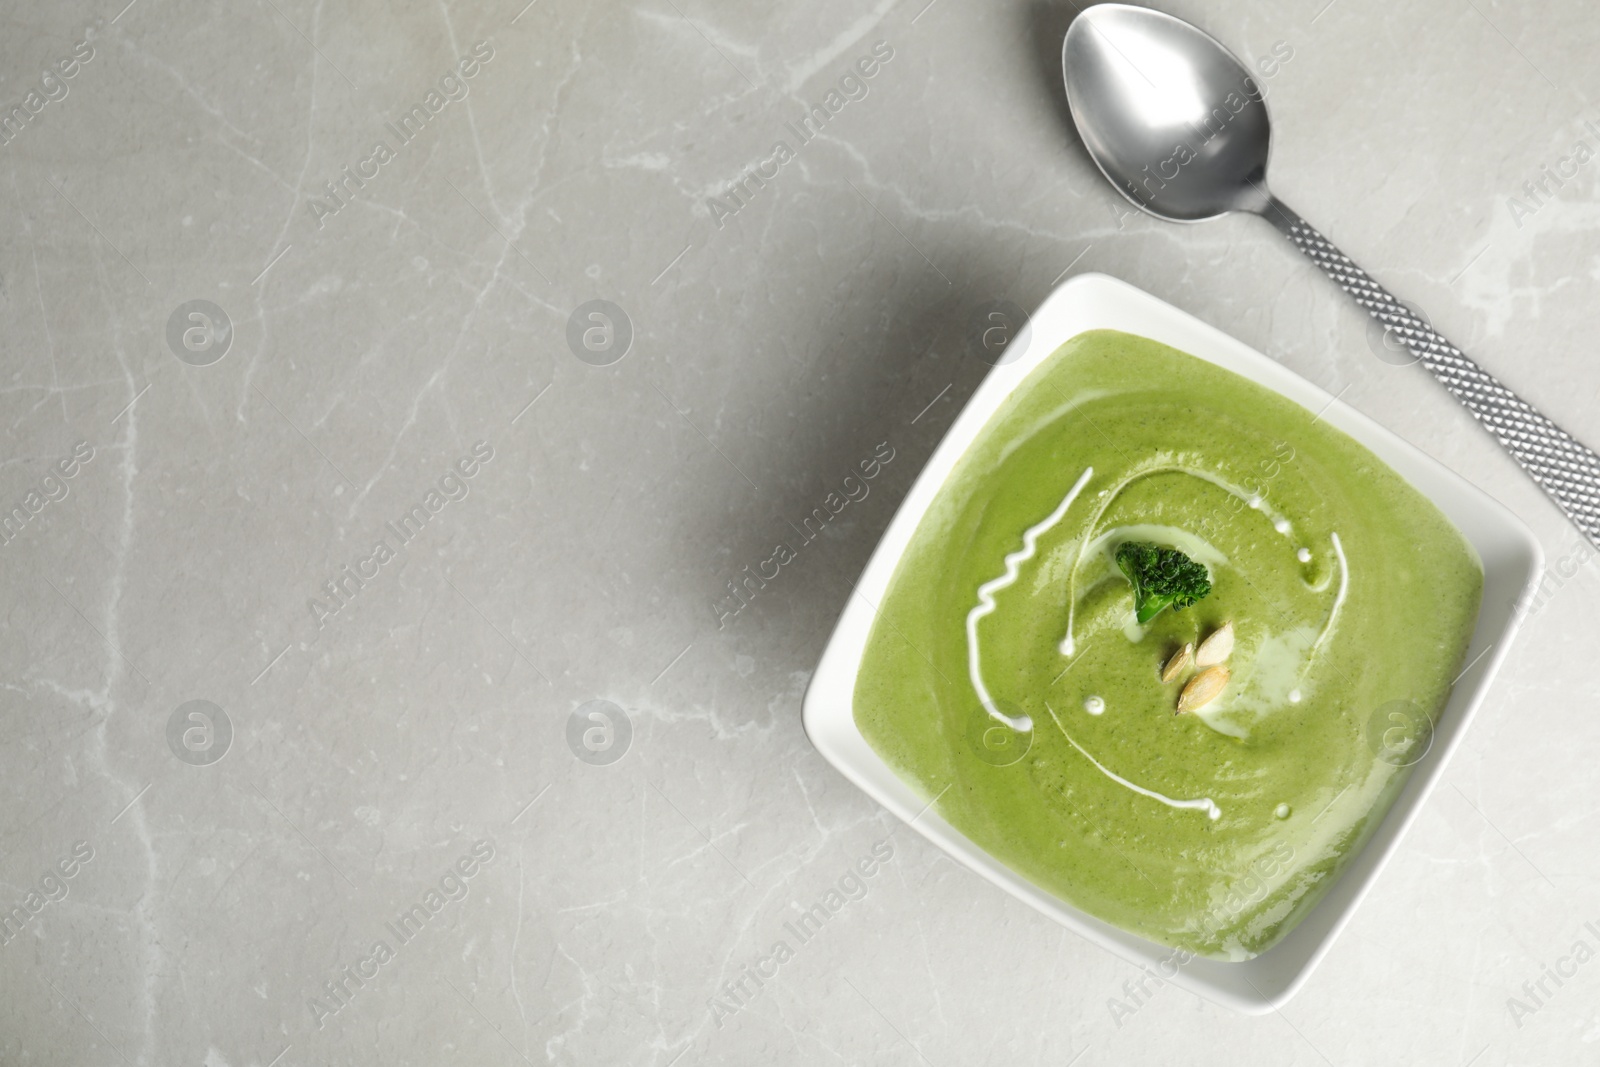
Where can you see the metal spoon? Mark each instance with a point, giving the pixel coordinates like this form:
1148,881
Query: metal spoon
1180,127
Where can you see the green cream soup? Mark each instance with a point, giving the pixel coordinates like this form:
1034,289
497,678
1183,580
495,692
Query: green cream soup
1006,674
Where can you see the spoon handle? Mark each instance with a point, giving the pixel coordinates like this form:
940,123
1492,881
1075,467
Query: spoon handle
1565,468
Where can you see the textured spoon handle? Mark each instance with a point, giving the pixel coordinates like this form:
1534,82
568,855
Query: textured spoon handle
1567,469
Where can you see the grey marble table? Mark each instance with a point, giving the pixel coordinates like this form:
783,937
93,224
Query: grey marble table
329,507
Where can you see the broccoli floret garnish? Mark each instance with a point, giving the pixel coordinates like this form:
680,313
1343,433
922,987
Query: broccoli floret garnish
1161,577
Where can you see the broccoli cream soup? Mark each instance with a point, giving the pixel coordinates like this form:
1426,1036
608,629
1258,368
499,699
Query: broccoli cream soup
1199,777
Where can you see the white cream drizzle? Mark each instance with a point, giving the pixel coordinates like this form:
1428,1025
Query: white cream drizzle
1266,671
986,605
1338,601
1205,804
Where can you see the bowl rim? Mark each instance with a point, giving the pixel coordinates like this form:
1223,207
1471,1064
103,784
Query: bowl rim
1512,562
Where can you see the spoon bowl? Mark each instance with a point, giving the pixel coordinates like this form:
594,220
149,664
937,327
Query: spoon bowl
1172,119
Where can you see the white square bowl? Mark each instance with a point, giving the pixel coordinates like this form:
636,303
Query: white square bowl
1512,561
